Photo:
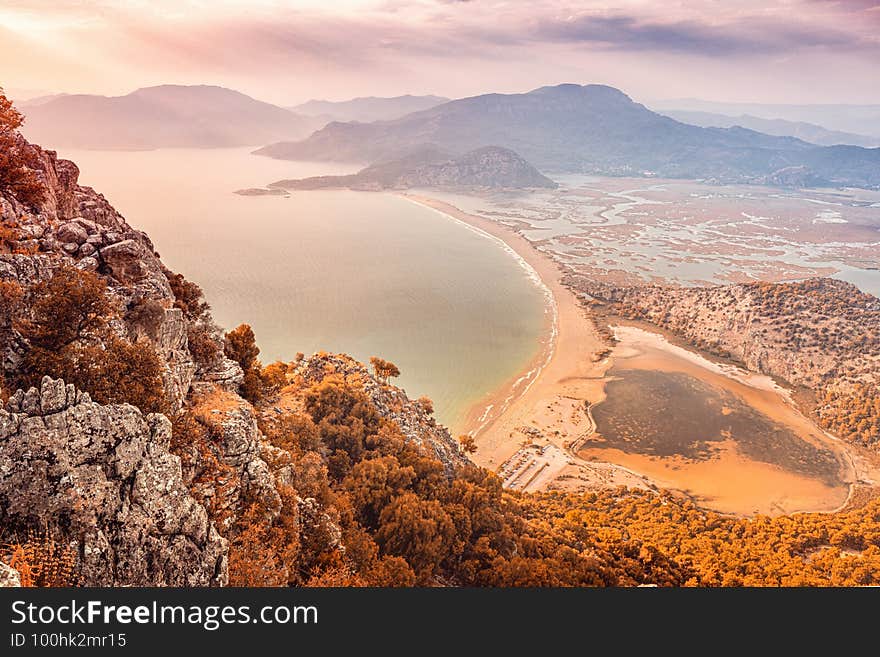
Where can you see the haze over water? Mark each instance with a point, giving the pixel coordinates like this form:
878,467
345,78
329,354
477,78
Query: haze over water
356,272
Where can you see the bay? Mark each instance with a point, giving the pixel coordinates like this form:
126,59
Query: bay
356,272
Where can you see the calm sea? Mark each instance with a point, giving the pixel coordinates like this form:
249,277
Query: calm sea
357,272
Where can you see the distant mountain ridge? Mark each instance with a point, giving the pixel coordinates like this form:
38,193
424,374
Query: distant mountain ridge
588,129
200,116
368,109
809,132
38,100
428,166
854,119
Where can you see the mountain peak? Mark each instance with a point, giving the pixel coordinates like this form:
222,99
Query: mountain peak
168,115
593,90
180,86
591,128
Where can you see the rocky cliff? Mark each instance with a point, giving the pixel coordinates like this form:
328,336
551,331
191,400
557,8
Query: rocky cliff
135,499
77,226
412,417
105,475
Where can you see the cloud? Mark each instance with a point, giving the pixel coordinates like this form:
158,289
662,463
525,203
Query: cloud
463,28
850,5
278,44
743,37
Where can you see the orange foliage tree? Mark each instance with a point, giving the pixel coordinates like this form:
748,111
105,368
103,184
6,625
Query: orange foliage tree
16,178
467,444
385,370
241,346
265,552
42,561
65,321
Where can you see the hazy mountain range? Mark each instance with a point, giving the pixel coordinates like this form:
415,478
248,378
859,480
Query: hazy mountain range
368,109
564,128
854,119
810,132
38,100
487,167
163,116
591,129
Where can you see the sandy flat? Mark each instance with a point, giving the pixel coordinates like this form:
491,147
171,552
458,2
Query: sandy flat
730,483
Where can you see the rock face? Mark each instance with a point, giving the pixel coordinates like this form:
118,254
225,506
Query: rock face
72,232
238,446
131,263
225,374
77,226
171,343
105,477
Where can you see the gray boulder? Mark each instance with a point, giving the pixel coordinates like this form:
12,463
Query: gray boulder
105,478
72,232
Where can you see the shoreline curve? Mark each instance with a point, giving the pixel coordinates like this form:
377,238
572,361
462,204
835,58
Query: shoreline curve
546,416
565,366
482,413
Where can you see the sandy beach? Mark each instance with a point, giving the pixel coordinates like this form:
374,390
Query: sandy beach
545,406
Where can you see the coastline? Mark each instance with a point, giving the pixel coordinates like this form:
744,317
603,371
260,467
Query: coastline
551,390
531,429
536,265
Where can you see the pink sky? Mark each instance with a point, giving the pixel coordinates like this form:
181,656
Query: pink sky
797,51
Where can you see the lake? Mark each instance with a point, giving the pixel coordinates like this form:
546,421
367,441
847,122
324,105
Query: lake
706,428
356,272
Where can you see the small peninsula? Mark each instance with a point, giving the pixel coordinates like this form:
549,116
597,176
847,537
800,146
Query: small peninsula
490,167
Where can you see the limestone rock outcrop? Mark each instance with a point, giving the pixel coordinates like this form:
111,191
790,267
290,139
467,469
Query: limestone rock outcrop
104,478
238,445
142,502
9,577
76,225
